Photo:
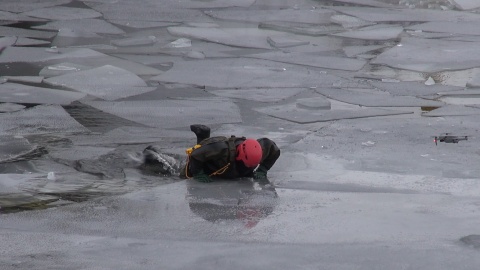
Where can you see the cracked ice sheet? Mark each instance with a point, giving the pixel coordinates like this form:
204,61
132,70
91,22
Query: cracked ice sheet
463,28
15,148
63,13
24,94
262,95
238,37
172,113
466,4
86,57
294,114
375,32
428,55
11,18
246,73
309,59
321,16
83,25
18,6
107,82
406,15
452,110
371,3
379,99
18,32
39,120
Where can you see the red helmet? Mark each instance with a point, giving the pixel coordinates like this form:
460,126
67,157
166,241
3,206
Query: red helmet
250,152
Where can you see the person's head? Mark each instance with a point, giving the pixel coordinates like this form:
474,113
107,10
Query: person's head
250,153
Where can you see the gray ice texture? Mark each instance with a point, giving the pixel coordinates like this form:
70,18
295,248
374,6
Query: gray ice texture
353,92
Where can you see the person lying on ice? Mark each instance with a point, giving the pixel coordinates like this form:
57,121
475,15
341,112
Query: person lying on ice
228,158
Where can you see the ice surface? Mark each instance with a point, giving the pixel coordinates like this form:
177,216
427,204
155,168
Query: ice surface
134,41
466,4
461,27
300,28
303,116
15,18
107,82
39,120
371,3
238,37
172,113
87,25
245,73
18,6
412,88
283,42
349,21
330,62
351,51
63,13
11,31
79,152
11,107
24,94
375,32
320,16
428,55
356,96
13,148
315,103
475,81
30,42
141,24
24,79
405,15
262,95
61,69
453,110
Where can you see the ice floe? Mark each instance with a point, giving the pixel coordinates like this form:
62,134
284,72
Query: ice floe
304,116
300,28
351,51
11,107
24,94
454,27
12,31
63,13
314,103
245,73
39,120
260,94
24,79
83,25
452,110
172,113
17,6
330,62
61,69
360,97
317,16
412,88
428,55
466,4
107,82
375,32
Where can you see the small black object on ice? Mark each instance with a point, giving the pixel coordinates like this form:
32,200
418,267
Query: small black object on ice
447,138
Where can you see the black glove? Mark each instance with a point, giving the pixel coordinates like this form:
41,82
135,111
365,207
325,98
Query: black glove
202,177
260,173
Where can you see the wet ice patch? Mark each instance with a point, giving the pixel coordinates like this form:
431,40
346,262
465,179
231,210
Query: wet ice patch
354,96
330,62
24,94
412,88
315,103
86,25
375,32
61,69
172,113
39,120
63,13
261,95
429,55
24,79
106,82
472,240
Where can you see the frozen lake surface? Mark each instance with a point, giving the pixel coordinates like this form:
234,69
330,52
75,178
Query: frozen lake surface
352,91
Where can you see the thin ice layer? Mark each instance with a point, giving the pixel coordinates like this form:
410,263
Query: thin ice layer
321,16
260,94
39,120
86,25
63,13
172,113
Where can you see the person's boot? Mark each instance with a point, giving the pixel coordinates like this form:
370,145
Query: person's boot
201,131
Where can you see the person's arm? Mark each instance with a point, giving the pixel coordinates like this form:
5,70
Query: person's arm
270,153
